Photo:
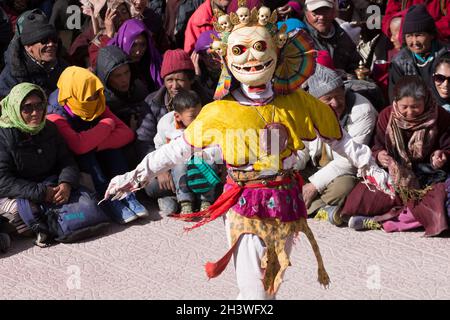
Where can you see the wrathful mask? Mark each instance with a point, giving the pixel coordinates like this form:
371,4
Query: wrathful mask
251,55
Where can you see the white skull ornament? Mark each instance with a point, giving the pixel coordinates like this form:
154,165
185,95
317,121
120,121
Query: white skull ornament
281,39
243,14
219,47
263,15
225,23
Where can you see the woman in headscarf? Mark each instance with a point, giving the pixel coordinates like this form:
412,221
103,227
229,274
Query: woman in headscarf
31,152
441,81
412,143
94,134
153,21
136,41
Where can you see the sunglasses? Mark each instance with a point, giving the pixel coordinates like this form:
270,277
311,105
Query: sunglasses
440,78
47,40
30,107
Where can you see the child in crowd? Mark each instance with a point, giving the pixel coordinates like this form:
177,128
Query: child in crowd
196,178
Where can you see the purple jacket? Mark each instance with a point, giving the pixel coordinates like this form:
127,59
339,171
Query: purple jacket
124,39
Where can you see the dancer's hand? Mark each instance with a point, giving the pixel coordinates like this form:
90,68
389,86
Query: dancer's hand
284,11
122,185
309,194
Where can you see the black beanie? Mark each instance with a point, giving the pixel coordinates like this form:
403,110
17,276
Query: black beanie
36,28
417,19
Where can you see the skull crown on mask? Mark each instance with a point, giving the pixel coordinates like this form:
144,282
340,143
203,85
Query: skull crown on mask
249,43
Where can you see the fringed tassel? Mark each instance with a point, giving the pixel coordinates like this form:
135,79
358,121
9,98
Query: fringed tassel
323,277
214,269
217,209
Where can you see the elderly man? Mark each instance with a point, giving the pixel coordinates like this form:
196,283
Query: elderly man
328,35
178,73
332,177
33,56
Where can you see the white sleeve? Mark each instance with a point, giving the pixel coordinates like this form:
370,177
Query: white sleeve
303,157
363,120
358,154
162,128
168,156
158,140
336,168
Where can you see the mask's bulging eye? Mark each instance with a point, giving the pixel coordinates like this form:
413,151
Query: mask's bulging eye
260,46
238,49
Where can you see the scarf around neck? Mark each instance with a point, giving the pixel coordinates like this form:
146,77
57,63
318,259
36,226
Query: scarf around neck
424,128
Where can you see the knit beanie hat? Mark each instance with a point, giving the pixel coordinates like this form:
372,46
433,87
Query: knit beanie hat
35,28
175,61
323,81
23,17
417,19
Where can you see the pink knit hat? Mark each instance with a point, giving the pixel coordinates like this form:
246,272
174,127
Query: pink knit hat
324,58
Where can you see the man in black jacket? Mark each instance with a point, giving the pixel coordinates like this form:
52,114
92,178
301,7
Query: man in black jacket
328,35
178,73
32,56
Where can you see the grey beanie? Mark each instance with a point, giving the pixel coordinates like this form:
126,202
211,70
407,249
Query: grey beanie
323,81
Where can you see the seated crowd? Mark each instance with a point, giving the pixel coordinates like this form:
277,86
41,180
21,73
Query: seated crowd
79,107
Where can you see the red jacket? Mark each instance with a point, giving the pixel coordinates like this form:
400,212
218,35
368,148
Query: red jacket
109,133
202,20
94,48
441,19
199,22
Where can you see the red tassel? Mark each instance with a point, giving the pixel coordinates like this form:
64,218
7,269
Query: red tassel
300,180
220,207
214,269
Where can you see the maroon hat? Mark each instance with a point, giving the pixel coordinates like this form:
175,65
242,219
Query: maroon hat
175,61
